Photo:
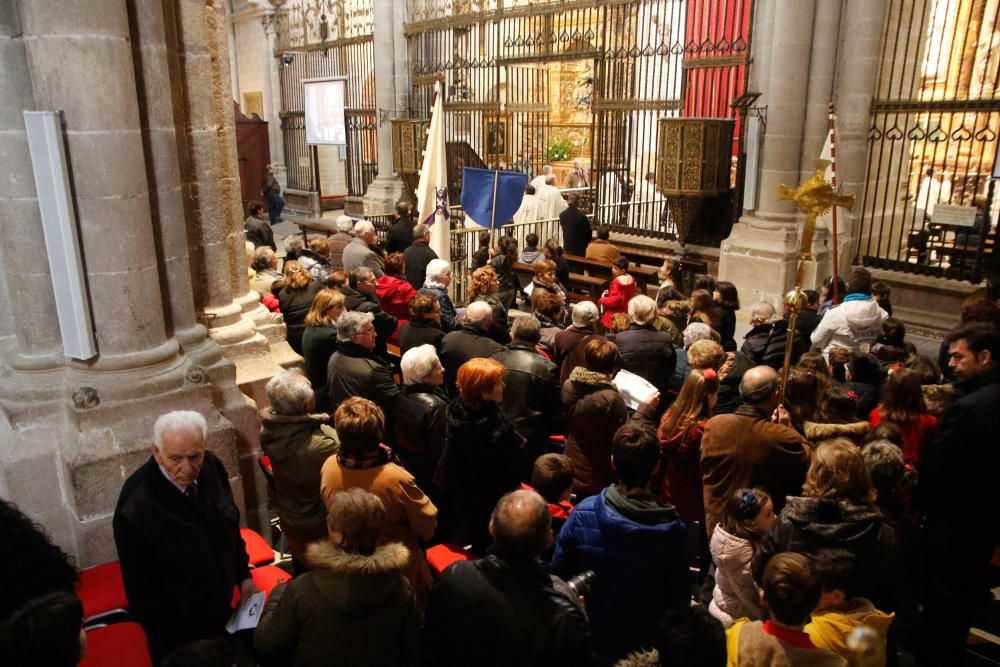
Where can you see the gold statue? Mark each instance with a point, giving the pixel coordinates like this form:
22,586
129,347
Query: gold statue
814,197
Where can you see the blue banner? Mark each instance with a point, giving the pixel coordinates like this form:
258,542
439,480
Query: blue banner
477,195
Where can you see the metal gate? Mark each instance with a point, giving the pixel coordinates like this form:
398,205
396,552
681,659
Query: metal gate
933,140
319,39
618,66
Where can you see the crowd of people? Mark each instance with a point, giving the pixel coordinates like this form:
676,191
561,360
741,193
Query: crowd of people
737,516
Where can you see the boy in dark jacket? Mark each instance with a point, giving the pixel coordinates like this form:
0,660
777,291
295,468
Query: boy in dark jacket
635,546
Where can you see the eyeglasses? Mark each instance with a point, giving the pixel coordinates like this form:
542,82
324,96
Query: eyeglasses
365,333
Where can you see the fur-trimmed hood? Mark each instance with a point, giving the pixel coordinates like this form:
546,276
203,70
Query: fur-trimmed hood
650,658
829,510
387,558
816,431
592,378
355,582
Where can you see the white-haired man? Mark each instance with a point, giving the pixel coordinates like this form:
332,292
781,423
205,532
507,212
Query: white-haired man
471,341
340,240
355,369
418,255
550,199
539,180
437,281
359,253
177,531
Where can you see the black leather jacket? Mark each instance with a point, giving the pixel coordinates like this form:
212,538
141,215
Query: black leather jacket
420,422
531,392
492,612
648,353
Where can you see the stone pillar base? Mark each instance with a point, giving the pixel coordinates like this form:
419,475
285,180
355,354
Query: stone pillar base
382,195
929,306
761,258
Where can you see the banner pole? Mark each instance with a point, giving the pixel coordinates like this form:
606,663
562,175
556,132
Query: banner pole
831,122
493,213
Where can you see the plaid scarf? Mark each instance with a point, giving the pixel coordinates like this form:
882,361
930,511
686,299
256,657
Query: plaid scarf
379,456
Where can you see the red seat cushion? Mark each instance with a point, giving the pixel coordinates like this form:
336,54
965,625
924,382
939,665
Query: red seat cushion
117,645
440,556
258,549
269,576
101,589
265,462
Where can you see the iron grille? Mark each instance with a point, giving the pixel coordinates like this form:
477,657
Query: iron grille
933,140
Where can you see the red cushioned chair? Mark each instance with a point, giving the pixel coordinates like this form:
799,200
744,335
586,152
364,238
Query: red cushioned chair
258,549
441,556
102,591
269,576
117,645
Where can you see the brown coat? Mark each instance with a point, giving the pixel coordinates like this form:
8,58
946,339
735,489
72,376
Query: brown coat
593,410
411,518
602,250
745,449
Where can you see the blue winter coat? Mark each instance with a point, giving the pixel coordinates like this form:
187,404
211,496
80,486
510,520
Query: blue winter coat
640,563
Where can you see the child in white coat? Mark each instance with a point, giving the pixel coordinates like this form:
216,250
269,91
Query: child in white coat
746,520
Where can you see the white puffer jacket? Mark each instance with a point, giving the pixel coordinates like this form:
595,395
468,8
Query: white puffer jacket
855,324
736,595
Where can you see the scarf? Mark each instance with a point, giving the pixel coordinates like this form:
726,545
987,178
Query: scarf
365,460
433,284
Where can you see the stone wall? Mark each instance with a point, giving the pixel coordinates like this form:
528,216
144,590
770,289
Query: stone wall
145,92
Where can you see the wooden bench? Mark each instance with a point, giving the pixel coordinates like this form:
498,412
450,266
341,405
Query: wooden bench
690,266
582,287
306,226
598,268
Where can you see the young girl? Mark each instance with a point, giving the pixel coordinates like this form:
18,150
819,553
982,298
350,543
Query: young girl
701,308
622,288
746,520
681,429
903,405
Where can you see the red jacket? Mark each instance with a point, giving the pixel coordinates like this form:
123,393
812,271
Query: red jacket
682,472
616,300
394,295
917,434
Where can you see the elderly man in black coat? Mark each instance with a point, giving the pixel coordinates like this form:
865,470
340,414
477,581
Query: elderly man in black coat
471,341
177,530
355,369
531,396
644,350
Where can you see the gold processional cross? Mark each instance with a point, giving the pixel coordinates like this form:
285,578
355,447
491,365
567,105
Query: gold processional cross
814,197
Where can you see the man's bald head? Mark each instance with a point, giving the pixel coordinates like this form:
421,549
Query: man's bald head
759,387
479,314
521,526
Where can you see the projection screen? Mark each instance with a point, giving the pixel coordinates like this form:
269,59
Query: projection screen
324,111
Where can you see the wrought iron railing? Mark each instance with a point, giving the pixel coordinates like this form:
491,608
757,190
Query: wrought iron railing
933,142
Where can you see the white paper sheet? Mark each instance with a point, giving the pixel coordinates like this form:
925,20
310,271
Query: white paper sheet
247,614
634,389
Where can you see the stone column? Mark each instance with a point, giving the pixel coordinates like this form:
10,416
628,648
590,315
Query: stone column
248,334
67,449
37,343
863,30
272,101
386,189
762,249
31,360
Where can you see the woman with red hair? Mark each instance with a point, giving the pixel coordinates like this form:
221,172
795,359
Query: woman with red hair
481,460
